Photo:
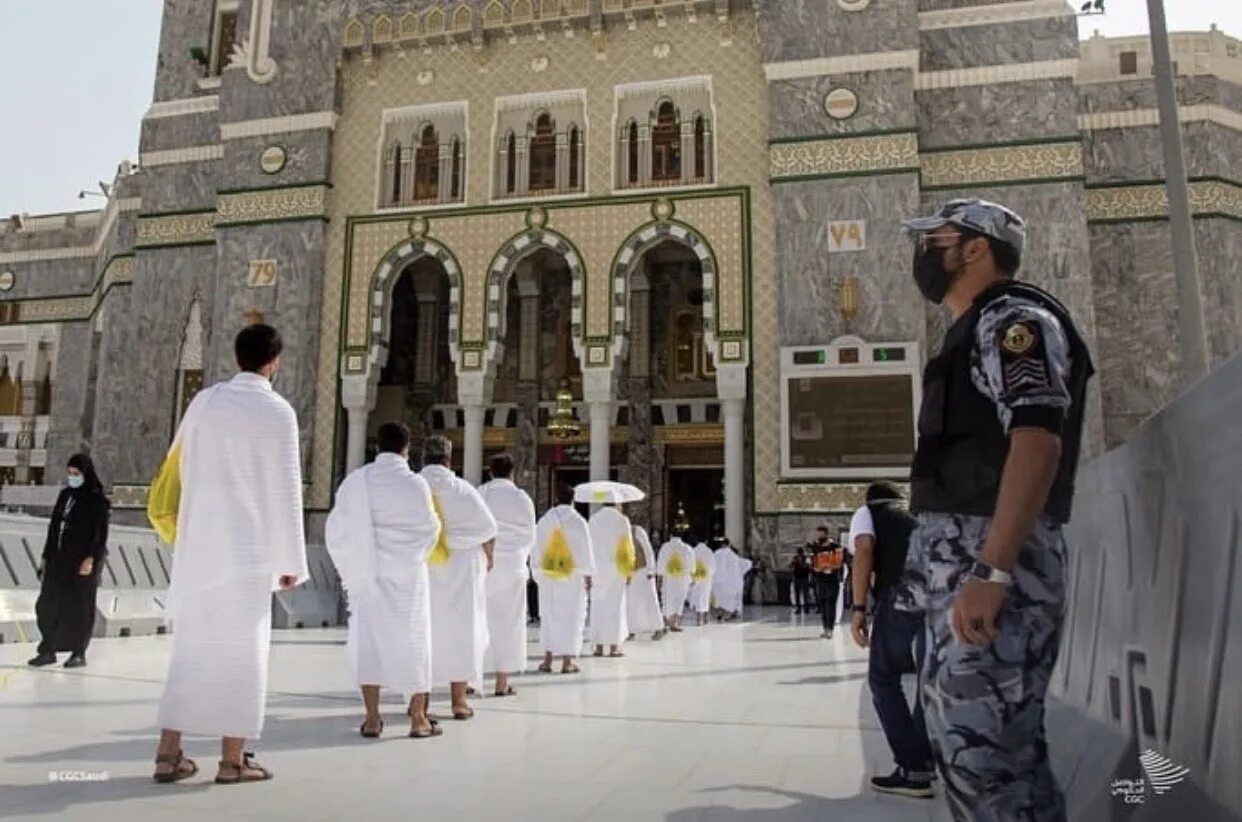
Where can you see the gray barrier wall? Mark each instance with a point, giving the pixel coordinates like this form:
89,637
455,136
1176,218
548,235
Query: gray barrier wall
133,584
1151,660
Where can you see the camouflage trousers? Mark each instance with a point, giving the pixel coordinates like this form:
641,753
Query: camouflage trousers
984,707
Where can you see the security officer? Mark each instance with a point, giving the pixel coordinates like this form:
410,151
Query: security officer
992,482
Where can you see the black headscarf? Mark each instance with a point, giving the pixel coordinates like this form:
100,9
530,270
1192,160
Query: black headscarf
86,465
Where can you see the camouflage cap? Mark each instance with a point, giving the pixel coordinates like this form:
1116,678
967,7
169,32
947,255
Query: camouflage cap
980,216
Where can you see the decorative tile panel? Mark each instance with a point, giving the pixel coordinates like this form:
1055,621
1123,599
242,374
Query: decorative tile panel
272,205
1145,202
840,156
176,229
1005,164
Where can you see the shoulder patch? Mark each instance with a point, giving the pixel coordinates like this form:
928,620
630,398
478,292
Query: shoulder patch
1020,339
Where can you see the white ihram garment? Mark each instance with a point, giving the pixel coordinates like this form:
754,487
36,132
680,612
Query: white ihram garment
704,568
729,579
642,602
379,534
561,579
239,529
612,541
514,513
458,570
674,566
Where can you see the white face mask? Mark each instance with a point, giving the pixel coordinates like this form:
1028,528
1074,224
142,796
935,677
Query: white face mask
76,481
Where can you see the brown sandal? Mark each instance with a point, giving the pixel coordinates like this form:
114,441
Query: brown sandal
432,729
545,668
463,714
571,669
182,768
249,770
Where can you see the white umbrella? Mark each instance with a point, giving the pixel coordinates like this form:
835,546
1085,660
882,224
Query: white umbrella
607,492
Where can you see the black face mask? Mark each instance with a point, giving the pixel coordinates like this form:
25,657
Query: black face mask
930,274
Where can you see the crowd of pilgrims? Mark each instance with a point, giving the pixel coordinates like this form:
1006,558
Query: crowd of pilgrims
436,573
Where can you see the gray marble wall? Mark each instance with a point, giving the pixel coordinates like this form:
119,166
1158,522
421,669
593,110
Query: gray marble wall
1001,113
292,305
50,278
307,153
1025,41
805,29
796,107
1136,312
1137,154
182,187
67,435
889,306
143,328
165,133
187,24
1141,94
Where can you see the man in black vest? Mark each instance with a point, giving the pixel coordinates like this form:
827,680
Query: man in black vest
880,535
992,482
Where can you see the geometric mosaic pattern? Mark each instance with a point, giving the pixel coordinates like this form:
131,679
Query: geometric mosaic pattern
734,218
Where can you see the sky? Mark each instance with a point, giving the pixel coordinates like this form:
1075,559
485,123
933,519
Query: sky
76,78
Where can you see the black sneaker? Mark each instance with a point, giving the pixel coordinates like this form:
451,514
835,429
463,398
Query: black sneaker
76,661
41,660
900,783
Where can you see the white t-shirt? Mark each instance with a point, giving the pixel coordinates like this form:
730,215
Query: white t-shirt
861,525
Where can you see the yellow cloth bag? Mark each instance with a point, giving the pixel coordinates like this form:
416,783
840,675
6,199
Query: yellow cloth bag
625,558
558,560
675,568
440,554
164,498
700,571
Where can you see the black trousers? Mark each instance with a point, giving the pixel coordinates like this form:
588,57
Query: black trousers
827,587
800,587
65,610
532,600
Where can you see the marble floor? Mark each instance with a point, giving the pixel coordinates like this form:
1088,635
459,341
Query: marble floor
760,721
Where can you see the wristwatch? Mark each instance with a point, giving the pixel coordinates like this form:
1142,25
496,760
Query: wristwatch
987,573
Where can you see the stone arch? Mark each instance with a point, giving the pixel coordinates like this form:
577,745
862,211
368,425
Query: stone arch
505,263
385,277
632,250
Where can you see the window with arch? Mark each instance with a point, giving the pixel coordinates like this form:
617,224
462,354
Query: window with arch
666,144
455,186
427,166
575,159
394,174
700,148
632,170
543,154
511,166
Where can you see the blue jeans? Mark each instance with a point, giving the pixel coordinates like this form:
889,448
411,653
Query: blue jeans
898,638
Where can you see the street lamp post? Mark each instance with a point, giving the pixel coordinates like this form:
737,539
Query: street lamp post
1191,335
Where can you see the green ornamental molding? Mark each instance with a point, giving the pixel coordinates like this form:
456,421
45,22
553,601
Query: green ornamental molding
1149,202
837,157
271,205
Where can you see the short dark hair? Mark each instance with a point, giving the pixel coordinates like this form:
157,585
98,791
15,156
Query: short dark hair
392,438
257,346
1007,258
437,450
501,466
564,494
823,528
877,491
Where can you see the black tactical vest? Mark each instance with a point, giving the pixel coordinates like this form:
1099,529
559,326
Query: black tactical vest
892,540
962,446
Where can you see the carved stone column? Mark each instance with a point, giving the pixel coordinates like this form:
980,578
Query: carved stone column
523,168
358,398
644,156
562,162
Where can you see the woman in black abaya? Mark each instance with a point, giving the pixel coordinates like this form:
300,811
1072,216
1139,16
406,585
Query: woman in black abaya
77,542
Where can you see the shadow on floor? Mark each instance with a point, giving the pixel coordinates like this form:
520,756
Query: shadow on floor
58,798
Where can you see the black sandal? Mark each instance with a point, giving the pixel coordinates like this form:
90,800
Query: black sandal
182,768
371,734
506,692
462,716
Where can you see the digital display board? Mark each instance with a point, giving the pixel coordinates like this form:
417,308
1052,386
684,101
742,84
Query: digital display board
839,422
